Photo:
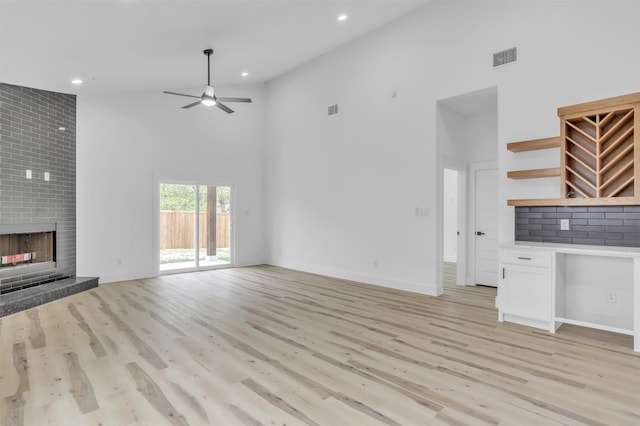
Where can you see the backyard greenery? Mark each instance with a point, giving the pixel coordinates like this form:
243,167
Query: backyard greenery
183,197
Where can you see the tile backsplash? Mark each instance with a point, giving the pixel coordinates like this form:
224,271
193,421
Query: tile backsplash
597,225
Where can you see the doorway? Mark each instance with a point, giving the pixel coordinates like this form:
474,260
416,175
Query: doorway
194,227
453,226
467,141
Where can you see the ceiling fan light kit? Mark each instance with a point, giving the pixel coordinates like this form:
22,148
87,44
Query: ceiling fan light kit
208,97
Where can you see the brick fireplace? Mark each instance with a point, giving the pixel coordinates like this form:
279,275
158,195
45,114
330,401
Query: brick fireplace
37,189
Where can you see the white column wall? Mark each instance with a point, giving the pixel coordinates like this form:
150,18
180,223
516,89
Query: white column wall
342,191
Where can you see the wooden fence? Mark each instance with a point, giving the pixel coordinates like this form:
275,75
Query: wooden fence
177,230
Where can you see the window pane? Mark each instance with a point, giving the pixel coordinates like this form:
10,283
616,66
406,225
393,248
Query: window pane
215,225
177,226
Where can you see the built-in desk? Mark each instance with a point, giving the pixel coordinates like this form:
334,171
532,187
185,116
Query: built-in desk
545,285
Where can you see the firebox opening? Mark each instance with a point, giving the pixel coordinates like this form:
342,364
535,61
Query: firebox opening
27,248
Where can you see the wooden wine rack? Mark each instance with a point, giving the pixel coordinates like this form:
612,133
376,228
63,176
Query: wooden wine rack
599,154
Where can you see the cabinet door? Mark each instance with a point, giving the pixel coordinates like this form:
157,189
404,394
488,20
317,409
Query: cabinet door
526,292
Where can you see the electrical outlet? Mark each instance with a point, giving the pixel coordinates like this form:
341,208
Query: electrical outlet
564,224
611,297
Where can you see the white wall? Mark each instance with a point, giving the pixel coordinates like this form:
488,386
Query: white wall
126,142
450,208
452,133
342,190
482,137
587,282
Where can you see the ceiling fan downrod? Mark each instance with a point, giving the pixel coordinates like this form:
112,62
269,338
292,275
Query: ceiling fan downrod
208,52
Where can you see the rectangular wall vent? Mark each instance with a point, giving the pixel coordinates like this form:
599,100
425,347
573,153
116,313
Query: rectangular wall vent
333,109
505,57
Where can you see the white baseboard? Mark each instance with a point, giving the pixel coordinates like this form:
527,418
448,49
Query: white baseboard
412,286
125,276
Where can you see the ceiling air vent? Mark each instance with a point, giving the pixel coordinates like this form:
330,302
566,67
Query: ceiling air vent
504,57
333,109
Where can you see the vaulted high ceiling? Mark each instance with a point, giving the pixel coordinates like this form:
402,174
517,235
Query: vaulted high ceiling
138,45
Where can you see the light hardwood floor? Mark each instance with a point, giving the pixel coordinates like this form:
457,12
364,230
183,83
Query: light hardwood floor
269,346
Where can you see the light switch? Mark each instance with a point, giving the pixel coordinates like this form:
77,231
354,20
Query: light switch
28,174
47,177
564,224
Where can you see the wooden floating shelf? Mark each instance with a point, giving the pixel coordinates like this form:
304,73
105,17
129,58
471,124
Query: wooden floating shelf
534,144
563,202
534,173
603,104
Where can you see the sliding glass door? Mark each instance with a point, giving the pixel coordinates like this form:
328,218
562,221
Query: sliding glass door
195,227
215,225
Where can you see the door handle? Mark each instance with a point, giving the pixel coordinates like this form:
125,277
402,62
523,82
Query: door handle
479,233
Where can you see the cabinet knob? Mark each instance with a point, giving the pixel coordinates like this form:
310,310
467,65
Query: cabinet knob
479,233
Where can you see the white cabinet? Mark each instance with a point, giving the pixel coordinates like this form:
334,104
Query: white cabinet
545,285
525,287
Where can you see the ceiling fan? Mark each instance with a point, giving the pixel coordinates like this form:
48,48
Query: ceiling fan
209,97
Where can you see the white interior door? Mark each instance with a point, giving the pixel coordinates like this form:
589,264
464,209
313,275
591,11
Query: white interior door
486,227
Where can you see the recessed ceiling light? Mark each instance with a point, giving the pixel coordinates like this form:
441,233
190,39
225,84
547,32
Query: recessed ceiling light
245,74
76,81
342,17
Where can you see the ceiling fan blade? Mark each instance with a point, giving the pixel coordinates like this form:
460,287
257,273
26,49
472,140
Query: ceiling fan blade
224,107
180,94
220,98
192,105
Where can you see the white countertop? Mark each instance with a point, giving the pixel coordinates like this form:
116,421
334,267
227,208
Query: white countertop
575,248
